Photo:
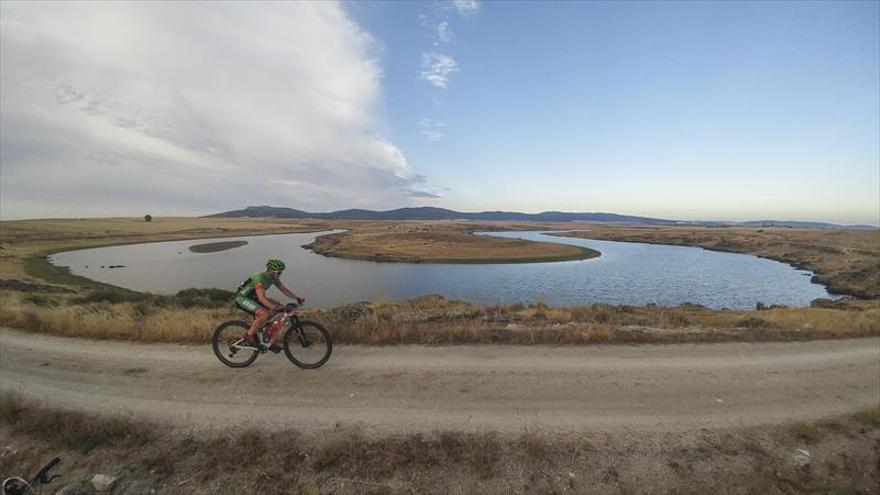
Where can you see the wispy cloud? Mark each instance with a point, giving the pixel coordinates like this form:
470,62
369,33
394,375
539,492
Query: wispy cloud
424,195
466,8
437,68
444,35
121,108
431,131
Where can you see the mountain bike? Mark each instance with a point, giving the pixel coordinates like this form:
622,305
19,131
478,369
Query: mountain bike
306,344
18,486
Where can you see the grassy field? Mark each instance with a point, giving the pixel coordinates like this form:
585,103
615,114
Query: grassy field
80,307
835,455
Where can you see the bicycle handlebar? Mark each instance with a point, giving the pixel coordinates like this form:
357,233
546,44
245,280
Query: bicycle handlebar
41,476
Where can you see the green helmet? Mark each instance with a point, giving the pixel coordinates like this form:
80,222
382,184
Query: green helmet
275,265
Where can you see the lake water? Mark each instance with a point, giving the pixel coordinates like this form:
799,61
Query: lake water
626,273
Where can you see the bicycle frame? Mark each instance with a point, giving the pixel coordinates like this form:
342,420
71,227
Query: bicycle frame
285,316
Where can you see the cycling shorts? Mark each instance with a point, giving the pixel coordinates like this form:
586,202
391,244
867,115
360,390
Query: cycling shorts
248,304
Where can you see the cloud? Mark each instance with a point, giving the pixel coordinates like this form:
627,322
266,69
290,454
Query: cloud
466,8
437,68
424,195
444,35
431,131
112,108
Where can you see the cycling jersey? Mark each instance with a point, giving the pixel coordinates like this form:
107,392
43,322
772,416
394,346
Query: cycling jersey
248,288
246,297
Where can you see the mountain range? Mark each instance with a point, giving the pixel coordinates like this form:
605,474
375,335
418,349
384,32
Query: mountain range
431,213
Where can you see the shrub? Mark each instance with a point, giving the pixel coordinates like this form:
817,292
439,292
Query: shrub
203,298
112,296
753,322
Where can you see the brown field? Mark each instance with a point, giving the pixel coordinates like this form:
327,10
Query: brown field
441,242
836,455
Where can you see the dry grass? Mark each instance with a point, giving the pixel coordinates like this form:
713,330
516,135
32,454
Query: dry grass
436,320
440,242
122,321
73,430
842,458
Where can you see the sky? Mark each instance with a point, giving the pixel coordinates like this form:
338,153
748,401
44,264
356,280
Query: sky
680,110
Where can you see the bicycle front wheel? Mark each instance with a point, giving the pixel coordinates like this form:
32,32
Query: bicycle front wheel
227,338
308,344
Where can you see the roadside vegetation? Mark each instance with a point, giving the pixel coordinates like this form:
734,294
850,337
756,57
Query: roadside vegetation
191,315
797,458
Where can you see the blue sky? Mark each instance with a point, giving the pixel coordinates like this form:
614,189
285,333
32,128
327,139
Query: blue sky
722,110
689,110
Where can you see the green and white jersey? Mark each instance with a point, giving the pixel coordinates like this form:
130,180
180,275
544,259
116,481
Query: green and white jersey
248,288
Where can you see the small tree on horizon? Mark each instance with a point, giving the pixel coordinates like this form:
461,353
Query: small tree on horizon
148,218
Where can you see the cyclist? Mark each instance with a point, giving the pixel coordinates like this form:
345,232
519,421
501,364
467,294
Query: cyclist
251,297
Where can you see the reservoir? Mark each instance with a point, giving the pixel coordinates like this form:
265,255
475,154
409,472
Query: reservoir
625,273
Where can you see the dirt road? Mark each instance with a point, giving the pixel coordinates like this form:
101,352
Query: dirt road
420,388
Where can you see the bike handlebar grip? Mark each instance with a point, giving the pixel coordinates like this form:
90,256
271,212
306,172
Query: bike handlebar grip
43,472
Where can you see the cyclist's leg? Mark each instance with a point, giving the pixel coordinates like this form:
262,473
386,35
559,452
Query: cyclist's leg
255,309
260,316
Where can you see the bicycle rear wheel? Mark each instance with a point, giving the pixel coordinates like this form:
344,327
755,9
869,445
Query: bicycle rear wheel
308,344
225,342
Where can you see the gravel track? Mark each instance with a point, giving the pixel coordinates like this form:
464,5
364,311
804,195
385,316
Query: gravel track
423,388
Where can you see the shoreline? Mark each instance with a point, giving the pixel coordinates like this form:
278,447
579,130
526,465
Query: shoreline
815,276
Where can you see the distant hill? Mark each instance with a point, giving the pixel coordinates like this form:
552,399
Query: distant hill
794,224
431,213
803,225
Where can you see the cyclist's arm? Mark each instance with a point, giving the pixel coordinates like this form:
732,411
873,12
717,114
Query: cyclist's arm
287,292
261,297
